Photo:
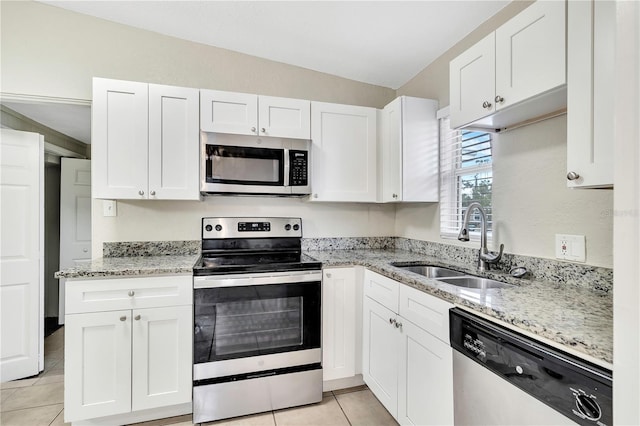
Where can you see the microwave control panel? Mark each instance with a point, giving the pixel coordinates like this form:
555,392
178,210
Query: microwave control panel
298,172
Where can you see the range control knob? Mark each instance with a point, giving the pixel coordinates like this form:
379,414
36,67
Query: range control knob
218,228
287,227
296,227
208,228
588,407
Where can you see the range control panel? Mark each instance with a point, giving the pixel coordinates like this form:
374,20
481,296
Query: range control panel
254,226
250,227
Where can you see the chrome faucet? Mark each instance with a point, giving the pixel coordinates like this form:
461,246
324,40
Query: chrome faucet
485,257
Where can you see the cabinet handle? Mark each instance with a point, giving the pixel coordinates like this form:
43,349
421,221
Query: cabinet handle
486,105
263,130
394,195
573,176
131,293
137,318
253,129
141,192
392,321
152,193
328,275
399,325
123,318
499,99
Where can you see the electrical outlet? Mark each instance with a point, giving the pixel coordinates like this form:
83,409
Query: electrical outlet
571,247
109,208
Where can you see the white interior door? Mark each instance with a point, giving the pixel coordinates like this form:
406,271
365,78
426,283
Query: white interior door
75,218
21,254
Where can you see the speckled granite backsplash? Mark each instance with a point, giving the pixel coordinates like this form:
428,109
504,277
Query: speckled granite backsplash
150,248
587,276
550,270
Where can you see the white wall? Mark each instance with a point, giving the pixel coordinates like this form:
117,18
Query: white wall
531,202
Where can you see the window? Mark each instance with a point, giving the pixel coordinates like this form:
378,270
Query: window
465,176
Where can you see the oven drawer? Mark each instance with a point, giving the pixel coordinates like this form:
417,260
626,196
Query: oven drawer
96,295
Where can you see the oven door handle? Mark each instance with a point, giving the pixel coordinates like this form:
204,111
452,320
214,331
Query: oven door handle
248,279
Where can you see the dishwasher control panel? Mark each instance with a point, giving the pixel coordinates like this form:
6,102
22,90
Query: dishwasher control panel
573,387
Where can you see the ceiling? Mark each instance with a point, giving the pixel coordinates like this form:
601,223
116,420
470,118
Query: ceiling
385,43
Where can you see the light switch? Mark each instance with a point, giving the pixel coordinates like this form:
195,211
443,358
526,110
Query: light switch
109,208
571,247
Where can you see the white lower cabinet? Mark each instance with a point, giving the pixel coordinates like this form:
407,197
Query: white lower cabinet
341,327
407,365
126,360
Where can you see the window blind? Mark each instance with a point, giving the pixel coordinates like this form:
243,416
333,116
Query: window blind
465,176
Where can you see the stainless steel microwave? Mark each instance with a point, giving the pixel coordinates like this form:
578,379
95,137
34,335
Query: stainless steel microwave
232,164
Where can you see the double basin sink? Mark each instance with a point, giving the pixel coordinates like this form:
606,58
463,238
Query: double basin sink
449,276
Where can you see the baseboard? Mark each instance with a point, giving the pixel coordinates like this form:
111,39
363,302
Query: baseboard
347,382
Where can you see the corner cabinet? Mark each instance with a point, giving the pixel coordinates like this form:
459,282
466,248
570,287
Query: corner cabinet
409,151
344,157
247,114
407,360
128,348
523,60
590,114
145,141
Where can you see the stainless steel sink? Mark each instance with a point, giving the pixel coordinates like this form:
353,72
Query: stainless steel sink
475,283
431,271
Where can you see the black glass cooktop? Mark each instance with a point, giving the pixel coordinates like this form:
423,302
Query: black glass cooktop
218,263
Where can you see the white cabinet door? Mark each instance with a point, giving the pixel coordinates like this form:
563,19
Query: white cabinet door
228,112
425,379
339,323
380,339
590,112
343,153
391,152
174,143
472,82
119,139
162,360
530,53
284,117
97,378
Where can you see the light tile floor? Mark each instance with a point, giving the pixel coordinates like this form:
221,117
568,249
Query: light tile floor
38,401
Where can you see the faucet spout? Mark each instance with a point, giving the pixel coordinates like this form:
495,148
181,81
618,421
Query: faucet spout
485,257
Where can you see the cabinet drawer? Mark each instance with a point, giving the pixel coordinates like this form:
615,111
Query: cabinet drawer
426,311
381,289
127,293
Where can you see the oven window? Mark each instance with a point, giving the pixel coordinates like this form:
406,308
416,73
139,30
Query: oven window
245,166
236,322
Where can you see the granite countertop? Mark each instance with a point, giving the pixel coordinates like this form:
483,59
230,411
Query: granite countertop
576,319
131,266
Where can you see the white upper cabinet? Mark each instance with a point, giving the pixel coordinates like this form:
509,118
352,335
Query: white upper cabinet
590,117
409,151
247,114
523,60
145,141
343,153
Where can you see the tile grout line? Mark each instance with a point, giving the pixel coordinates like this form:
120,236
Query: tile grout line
341,409
57,415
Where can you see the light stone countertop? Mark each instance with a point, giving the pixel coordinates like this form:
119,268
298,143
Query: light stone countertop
575,319
131,266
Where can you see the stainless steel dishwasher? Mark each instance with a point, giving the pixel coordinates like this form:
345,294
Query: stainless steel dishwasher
504,378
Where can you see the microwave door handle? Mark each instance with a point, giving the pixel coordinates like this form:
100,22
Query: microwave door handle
286,167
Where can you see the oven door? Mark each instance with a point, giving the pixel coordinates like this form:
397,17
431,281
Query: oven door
249,323
243,169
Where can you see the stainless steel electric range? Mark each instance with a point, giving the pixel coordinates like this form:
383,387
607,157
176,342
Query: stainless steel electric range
257,319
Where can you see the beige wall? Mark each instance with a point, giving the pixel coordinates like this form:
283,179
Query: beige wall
531,202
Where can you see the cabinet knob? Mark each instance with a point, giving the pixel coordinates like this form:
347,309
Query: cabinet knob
85,250
398,325
328,275
253,129
392,321
137,318
263,130
131,293
141,192
152,193
499,99
315,195
572,176
394,195
486,105
123,318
